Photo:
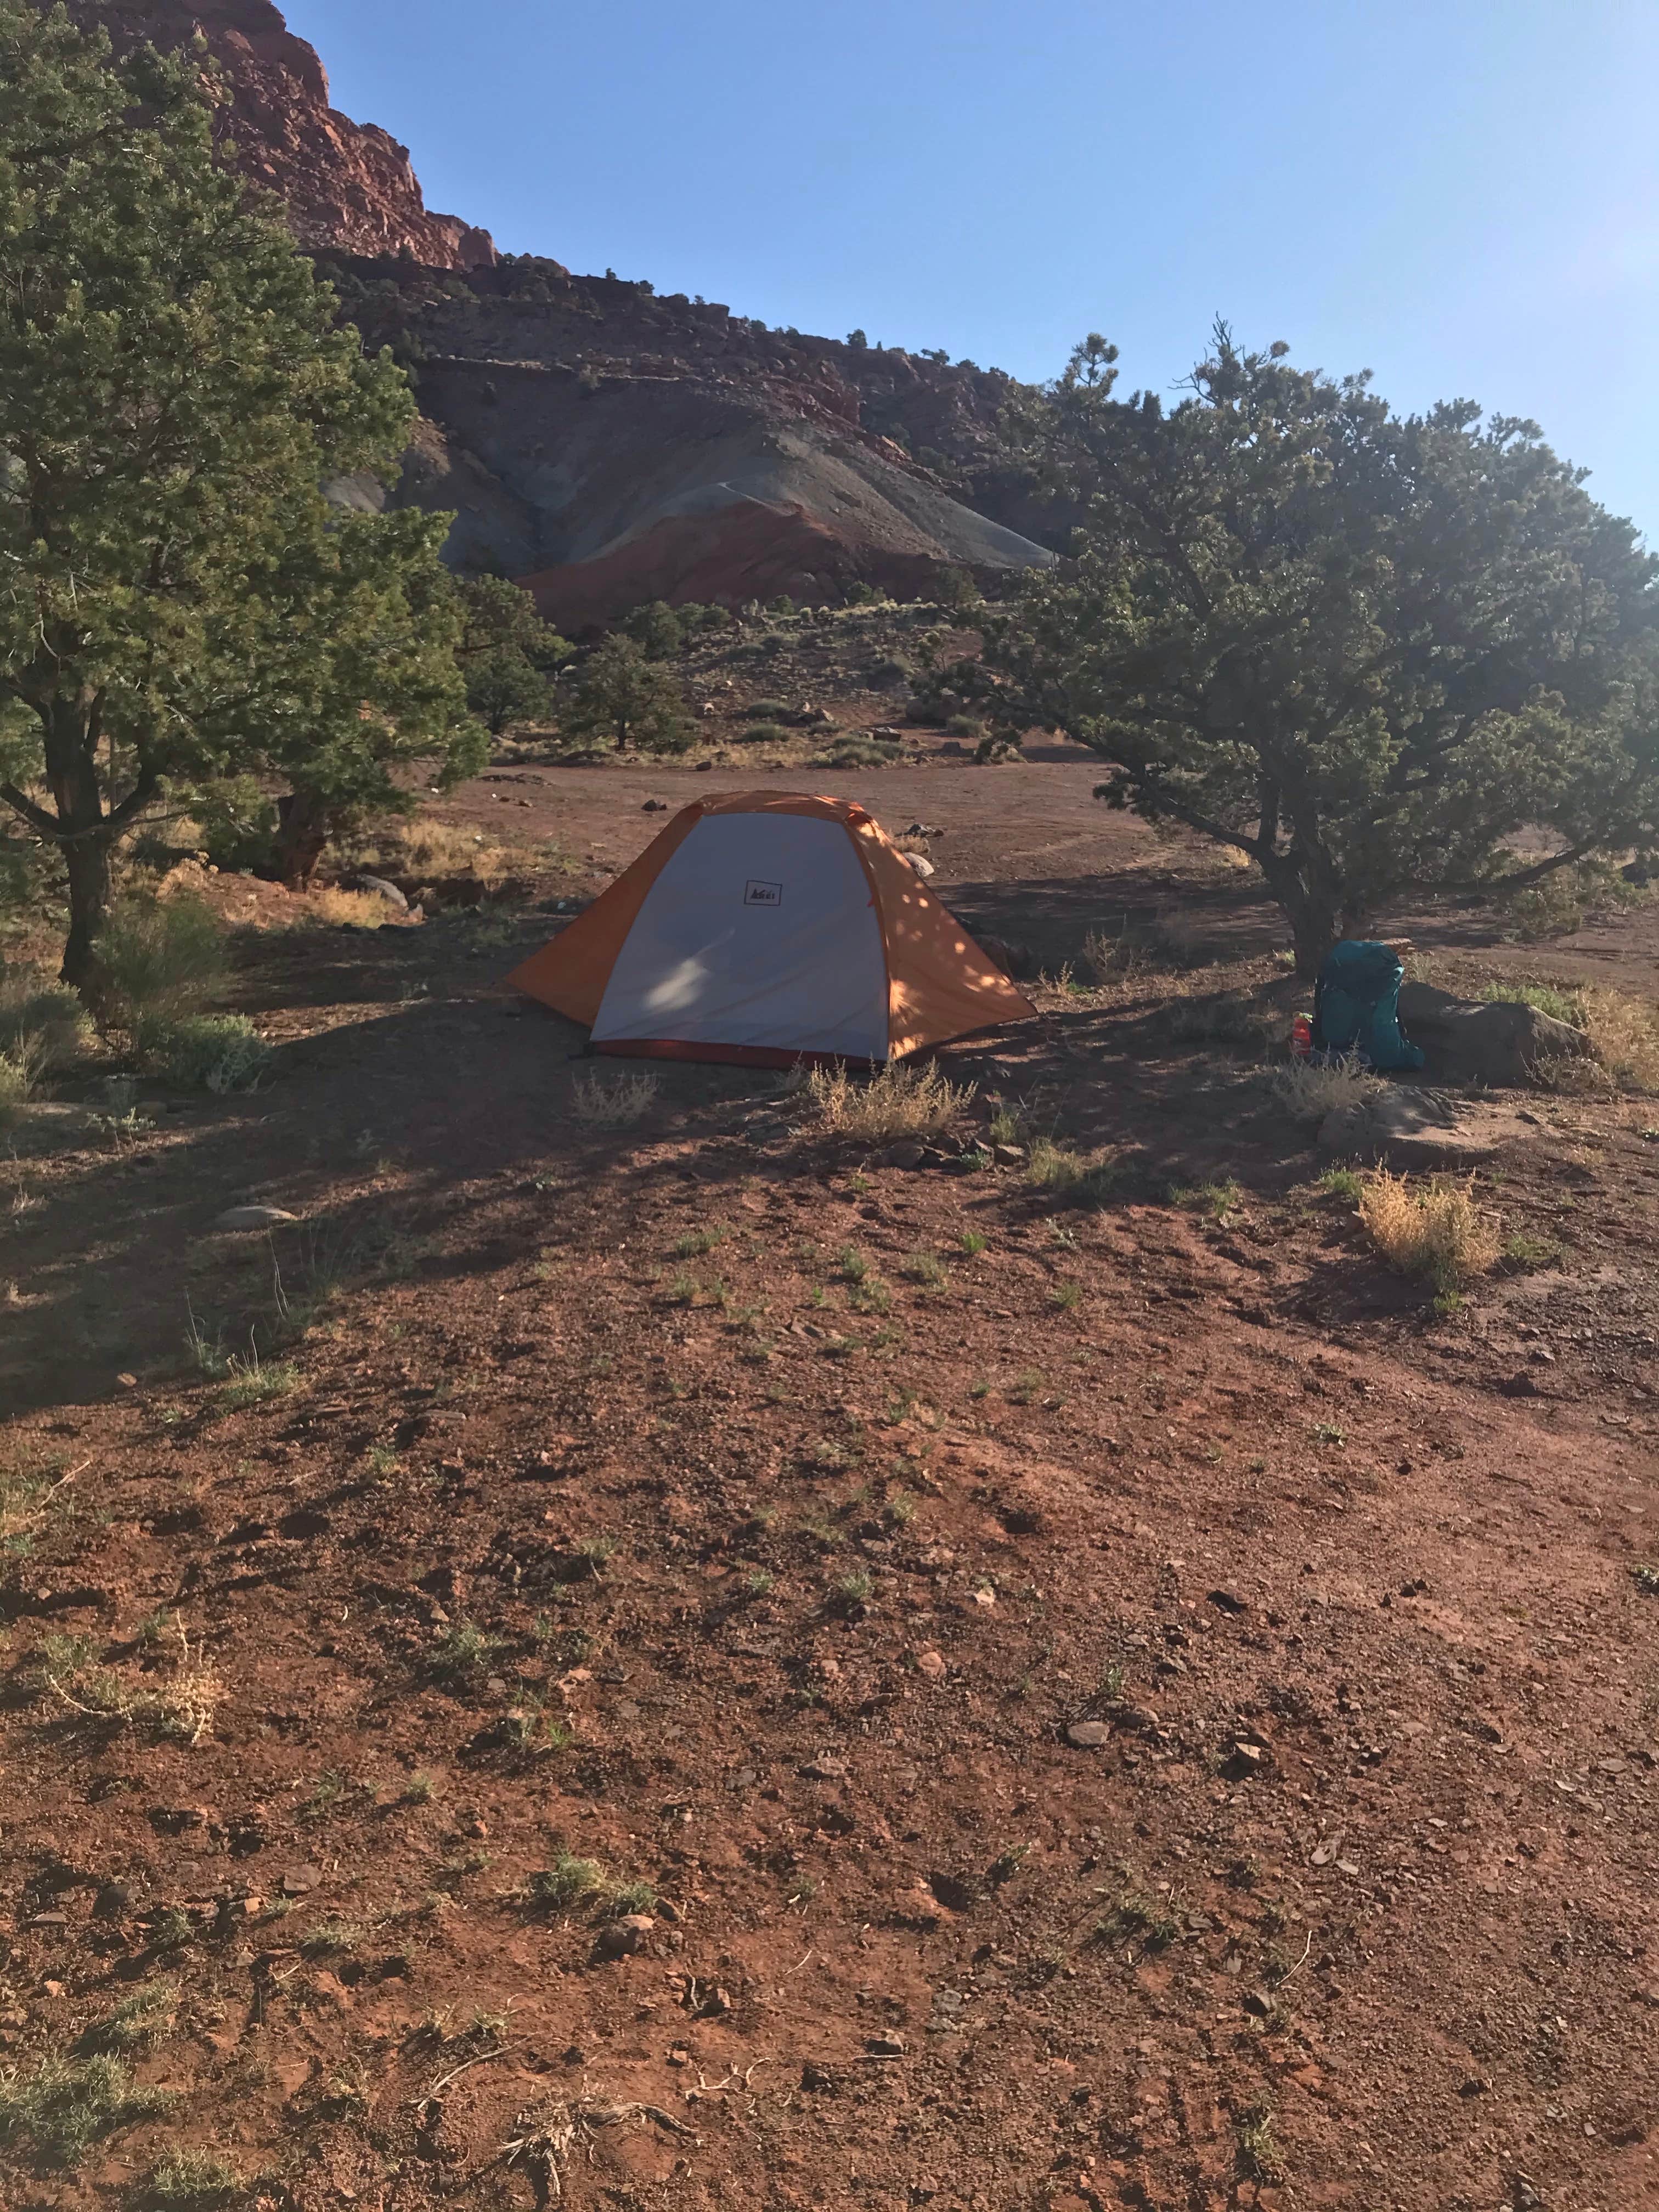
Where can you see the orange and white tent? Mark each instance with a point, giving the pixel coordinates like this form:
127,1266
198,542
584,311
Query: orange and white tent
766,928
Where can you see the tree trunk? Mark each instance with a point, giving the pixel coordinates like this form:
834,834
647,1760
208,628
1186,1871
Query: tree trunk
1313,913
302,834
87,859
85,835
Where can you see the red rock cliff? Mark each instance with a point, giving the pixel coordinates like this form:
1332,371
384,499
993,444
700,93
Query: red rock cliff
347,185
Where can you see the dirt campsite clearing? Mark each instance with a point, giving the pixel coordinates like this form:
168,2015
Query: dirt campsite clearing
629,1647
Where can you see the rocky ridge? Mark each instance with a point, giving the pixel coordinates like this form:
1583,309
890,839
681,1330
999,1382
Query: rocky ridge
347,185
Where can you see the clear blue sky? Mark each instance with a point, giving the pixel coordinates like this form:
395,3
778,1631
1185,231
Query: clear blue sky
1461,195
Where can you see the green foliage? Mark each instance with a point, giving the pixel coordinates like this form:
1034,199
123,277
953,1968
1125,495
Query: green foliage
1559,1002
1365,650
623,699
507,652
159,961
63,2106
568,1882
44,1027
181,599
220,1052
657,628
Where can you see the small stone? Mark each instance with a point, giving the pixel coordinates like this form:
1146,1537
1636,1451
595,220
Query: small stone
253,1217
886,2047
921,865
1242,1760
381,889
48,1920
1229,1601
934,1664
1009,1156
1257,2003
300,1881
826,1767
1541,1356
620,1939
679,2056
1475,2085
1089,1736
908,1155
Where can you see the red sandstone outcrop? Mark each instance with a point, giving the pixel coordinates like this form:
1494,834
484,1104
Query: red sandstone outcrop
348,186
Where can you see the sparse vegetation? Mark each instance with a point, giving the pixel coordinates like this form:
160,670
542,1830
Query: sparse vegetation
220,1052
63,2106
190,2181
569,1881
1435,1230
901,1100
613,1101
1064,1173
1308,1090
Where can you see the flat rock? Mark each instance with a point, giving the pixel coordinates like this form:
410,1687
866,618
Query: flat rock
1089,1736
1407,1126
620,1939
253,1217
379,888
1497,1041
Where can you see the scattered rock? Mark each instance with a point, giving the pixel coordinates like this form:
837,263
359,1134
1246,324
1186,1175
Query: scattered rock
1242,1760
620,1939
381,889
254,1217
1479,1040
934,1664
921,866
299,1881
907,1154
1089,1736
1009,1156
886,2047
826,1767
654,806
1229,1601
1418,1127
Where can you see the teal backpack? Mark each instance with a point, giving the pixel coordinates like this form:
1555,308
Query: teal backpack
1356,1006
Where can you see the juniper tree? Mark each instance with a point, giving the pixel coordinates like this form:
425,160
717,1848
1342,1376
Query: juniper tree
1367,650
178,598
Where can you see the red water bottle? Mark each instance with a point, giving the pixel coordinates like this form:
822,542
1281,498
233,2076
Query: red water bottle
1302,1038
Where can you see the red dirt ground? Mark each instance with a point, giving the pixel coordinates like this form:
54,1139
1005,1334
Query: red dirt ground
797,1537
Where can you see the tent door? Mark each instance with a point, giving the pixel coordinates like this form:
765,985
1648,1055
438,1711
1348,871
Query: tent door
761,931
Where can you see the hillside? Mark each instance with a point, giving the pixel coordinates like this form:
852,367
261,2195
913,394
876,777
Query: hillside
604,445
610,447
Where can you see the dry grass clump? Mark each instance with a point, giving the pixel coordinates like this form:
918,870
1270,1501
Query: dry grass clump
900,1102
1164,945
1064,1173
1435,1229
158,961
1308,1090
613,1101
1624,1035
177,1705
446,849
339,909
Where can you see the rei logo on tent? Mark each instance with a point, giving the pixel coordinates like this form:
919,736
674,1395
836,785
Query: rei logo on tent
756,894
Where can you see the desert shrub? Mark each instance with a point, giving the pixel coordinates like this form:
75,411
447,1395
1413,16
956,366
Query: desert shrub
158,960
769,710
965,726
1436,1230
886,674
45,1027
1222,1017
18,1074
764,733
863,752
613,1101
221,1053
63,2106
1308,1090
899,1101
992,751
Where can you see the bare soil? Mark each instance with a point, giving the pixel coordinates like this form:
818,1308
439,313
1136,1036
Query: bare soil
1119,1707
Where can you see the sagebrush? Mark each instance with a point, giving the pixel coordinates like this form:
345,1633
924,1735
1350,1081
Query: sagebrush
900,1102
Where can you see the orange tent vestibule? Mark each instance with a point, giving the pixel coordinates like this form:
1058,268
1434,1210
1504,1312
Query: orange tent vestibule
767,927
